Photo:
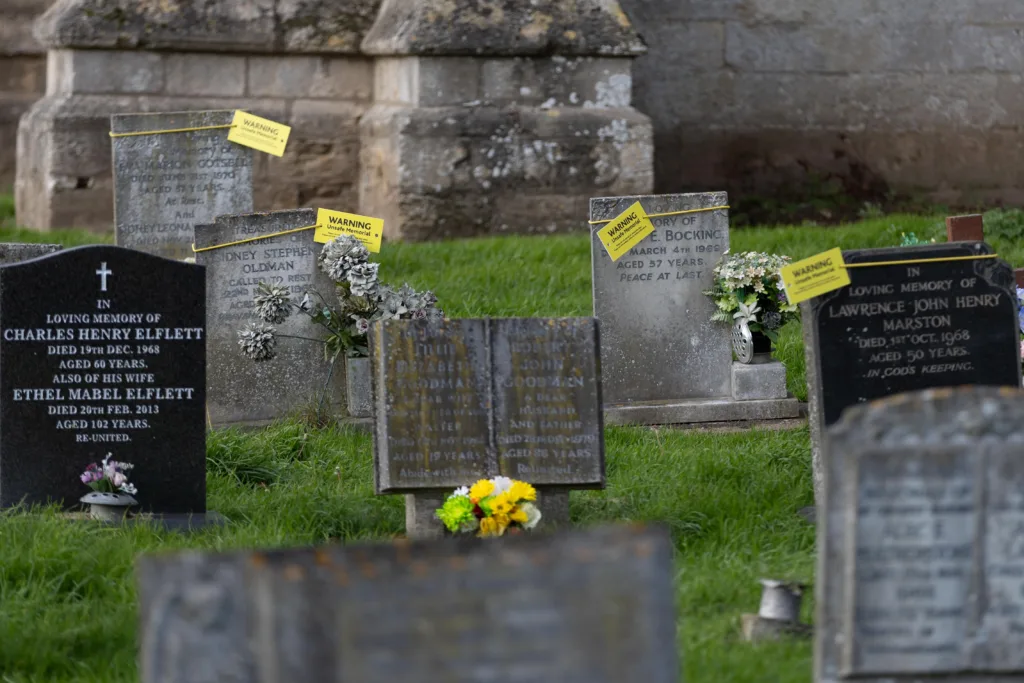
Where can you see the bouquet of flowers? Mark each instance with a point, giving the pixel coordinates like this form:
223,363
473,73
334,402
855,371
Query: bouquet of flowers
360,299
748,287
1020,318
109,477
490,507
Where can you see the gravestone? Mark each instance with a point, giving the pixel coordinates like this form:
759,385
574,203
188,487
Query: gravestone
573,607
460,400
16,252
240,391
920,569
663,360
970,228
905,327
103,351
167,183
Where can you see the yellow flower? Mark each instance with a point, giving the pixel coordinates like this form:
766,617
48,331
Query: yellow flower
502,521
501,504
521,491
489,527
518,516
481,490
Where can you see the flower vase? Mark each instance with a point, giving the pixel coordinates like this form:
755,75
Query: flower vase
752,348
359,387
108,507
762,348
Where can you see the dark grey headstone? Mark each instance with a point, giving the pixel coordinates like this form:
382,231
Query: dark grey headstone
582,607
458,400
240,391
658,342
16,252
547,401
921,545
164,184
899,328
103,351
432,392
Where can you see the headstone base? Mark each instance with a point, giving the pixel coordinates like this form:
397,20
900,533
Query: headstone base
758,382
758,629
168,522
420,522
700,410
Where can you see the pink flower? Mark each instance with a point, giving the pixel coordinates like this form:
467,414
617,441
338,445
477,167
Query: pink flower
86,477
119,480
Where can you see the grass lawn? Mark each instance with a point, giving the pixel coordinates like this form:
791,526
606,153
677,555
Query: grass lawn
66,590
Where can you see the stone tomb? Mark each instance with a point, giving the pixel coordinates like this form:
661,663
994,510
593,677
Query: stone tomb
572,607
899,328
662,358
166,183
16,252
103,351
240,391
460,400
921,547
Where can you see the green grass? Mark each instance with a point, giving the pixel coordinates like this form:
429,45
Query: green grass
67,600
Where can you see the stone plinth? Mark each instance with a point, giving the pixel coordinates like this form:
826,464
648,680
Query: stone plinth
22,75
296,63
499,121
758,382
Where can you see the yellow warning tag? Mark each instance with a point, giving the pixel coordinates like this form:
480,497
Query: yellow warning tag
625,231
259,133
814,276
330,224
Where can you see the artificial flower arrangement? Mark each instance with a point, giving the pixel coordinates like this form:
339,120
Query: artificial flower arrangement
1020,318
490,507
109,477
360,300
748,287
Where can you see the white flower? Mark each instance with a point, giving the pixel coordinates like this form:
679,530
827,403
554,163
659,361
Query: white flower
118,480
129,489
461,491
501,485
532,515
747,313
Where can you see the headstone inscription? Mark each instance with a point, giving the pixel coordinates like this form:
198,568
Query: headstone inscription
663,360
167,182
240,391
103,350
909,326
460,400
920,572
522,609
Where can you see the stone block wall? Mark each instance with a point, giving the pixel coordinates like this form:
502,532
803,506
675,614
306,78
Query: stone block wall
751,95
22,75
294,61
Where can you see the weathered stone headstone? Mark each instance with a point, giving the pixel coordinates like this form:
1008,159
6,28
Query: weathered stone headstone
905,327
574,607
16,252
663,360
102,351
240,391
920,563
970,228
460,400
167,183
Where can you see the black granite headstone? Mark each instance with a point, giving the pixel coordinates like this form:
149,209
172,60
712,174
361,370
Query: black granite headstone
103,350
910,326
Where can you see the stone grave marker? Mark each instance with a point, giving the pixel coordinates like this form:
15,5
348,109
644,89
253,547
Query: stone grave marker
663,360
920,563
240,391
103,350
574,607
16,252
166,183
898,328
460,400
970,228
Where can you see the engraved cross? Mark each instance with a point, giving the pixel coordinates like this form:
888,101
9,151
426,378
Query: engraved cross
103,272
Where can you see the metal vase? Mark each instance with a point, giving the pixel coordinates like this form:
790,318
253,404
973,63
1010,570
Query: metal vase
781,600
359,387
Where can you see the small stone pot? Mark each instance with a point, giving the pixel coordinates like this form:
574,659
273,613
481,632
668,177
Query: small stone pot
359,387
781,600
108,507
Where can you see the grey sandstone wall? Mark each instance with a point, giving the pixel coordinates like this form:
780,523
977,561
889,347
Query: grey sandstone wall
748,95
22,75
295,61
